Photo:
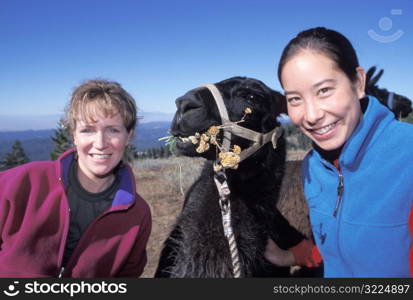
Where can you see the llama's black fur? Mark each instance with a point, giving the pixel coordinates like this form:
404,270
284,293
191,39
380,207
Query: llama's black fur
402,106
197,246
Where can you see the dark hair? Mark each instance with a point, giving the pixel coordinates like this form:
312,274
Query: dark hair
329,42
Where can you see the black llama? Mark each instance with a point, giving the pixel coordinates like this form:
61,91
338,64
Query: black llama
197,246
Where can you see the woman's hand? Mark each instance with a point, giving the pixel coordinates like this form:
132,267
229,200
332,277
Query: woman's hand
278,256
302,254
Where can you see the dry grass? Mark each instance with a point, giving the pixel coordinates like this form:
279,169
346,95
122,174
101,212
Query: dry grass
159,182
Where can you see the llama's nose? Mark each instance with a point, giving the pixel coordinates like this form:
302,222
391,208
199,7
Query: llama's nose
184,105
187,103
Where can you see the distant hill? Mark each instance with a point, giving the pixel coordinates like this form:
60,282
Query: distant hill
38,143
45,122
147,134
27,122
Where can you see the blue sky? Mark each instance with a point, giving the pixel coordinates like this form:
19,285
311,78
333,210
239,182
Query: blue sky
160,49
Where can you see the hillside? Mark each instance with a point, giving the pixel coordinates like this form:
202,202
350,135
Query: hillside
38,143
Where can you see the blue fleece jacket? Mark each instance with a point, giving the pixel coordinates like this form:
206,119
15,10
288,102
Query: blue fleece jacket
369,235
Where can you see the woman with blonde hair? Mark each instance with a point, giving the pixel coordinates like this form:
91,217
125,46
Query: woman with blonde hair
78,216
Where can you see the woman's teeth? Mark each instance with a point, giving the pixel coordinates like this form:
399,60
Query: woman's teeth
100,156
325,129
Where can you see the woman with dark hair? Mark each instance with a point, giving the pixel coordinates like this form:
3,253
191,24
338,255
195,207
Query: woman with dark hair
358,178
78,216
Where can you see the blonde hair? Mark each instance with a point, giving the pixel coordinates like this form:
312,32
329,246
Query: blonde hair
108,96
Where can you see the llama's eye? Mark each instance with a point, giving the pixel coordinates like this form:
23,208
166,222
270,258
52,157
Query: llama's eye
254,98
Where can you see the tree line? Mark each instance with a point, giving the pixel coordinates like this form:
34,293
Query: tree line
62,142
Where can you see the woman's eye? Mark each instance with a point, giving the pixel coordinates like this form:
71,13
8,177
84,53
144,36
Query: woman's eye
293,100
113,130
86,130
324,90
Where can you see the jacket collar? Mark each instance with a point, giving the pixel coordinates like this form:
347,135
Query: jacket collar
125,195
371,125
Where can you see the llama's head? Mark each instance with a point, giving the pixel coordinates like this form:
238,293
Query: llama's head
400,105
197,112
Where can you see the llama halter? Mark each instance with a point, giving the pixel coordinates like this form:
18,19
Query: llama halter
259,139
220,178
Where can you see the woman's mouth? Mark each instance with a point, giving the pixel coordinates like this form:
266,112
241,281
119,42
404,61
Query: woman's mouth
324,132
100,157
325,129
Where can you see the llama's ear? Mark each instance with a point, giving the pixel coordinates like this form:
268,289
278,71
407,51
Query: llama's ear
280,103
369,74
376,78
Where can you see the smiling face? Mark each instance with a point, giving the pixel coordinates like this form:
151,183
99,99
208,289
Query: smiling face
100,143
321,99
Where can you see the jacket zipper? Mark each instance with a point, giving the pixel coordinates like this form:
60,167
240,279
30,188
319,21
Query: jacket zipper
84,236
60,268
340,190
61,272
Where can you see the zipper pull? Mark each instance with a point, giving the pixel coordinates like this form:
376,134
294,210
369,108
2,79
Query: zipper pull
340,189
61,272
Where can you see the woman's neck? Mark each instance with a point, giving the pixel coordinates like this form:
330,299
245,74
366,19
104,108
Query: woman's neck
329,155
94,184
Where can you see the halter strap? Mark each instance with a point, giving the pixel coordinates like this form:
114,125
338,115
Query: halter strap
226,143
258,138
390,98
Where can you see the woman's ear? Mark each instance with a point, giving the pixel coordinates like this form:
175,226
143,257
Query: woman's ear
361,82
130,135
72,136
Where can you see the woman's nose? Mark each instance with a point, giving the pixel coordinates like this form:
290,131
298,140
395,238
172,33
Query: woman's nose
313,113
100,140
